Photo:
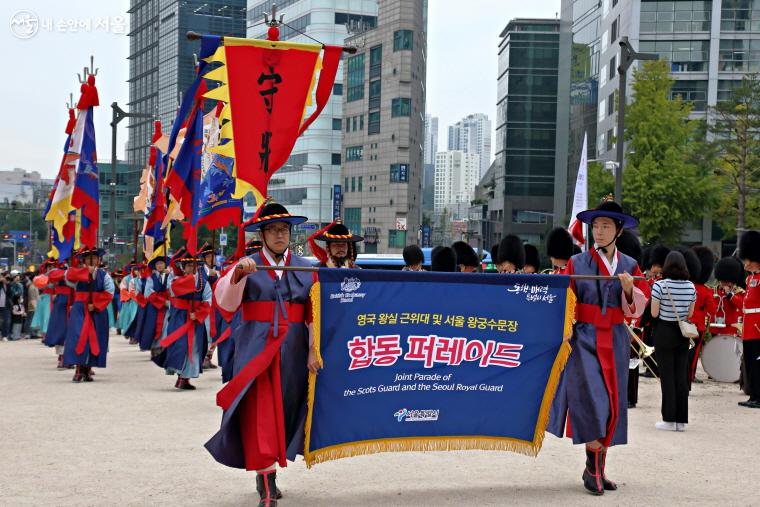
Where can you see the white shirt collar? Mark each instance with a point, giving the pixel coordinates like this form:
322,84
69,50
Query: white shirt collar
611,266
265,252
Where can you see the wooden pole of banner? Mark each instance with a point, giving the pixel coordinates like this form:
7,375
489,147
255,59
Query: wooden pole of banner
315,269
196,36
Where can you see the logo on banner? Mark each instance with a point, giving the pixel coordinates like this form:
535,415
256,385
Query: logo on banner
405,415
348,288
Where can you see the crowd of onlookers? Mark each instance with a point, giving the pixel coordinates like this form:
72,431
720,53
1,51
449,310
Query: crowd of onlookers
18,302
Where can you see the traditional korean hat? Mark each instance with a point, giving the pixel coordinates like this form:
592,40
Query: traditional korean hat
630,245
269,213
85,251
154,260
610,209
559,244
118,273
749,246
511,250
338,233
253,246
466,255
707,262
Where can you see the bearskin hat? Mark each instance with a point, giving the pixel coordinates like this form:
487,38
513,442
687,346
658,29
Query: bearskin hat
749,246
444,260
511,250
466,255
559,244
630,245
706,260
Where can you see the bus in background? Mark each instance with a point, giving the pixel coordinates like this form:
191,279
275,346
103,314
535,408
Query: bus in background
396,261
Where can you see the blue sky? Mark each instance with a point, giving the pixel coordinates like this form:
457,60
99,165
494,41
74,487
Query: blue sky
41,70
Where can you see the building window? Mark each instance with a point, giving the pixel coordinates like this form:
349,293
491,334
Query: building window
688,55
613,67
529,217
353,183
610,139
614,30
373,122
401,107
402,39
399,173
345,184
355,78
335,159
361,122
739,55
611,103
374,94
353,123
356,22
354,153
337,124
694,92
359,186
396,239
348,124
739,16
338,89
684,16
375,61
352,217
726,88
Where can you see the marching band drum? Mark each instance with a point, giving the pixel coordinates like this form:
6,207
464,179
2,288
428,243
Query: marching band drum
722,354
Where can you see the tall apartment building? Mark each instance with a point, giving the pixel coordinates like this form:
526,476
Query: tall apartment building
384,104
305,184
526,124
162,64
472,134
456,175
431,139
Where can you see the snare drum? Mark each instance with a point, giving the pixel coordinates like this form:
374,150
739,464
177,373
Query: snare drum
721,358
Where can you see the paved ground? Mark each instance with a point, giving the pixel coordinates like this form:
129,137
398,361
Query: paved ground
130,439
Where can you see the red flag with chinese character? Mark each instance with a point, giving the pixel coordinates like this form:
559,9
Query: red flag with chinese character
267,87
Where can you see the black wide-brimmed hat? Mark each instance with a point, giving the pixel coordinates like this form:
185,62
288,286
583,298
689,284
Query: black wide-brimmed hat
749,246
630,245
559,244
511,250
339,233
466,255
85,251
253,246
205,249
270,213
118,273
154,260
608,209
707,262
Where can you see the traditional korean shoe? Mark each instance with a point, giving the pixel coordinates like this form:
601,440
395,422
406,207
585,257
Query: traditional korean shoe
61,366
266,485
178,382
665,426
207,364
592,475
606,483
88,373
185,385
78,376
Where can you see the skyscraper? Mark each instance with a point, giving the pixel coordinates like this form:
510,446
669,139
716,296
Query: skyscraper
384,83
456,175
431,139
305,184
162,63
526,124
472,134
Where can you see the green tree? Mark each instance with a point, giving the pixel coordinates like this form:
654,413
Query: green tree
663,185
601,183
736,134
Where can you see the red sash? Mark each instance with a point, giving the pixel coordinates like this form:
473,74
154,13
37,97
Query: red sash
201,310
158,300
88,334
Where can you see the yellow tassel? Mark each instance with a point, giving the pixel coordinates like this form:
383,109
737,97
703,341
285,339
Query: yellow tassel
570,311
315,326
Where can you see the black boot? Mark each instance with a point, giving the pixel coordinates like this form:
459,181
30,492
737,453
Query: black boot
266,485
592,475
608,484
78,376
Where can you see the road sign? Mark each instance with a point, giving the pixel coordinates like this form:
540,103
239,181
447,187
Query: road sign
223,239
308,227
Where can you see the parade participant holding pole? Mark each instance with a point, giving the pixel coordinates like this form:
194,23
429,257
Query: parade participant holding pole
591,397
749,253
265,402
59,315
117,276
128,301
157,307
186,331
87,333
208,255
45,301
135,328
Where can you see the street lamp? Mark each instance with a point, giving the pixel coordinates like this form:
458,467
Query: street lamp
627,56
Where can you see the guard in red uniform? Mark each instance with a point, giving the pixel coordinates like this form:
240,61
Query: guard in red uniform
749,253
559,249
704,307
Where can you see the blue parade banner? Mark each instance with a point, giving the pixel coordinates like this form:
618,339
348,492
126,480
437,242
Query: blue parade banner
418,361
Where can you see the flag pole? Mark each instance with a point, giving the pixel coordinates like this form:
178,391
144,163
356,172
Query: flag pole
196,36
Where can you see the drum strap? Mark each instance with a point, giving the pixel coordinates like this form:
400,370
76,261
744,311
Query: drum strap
748,311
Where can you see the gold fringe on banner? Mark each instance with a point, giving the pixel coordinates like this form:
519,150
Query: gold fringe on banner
441,443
